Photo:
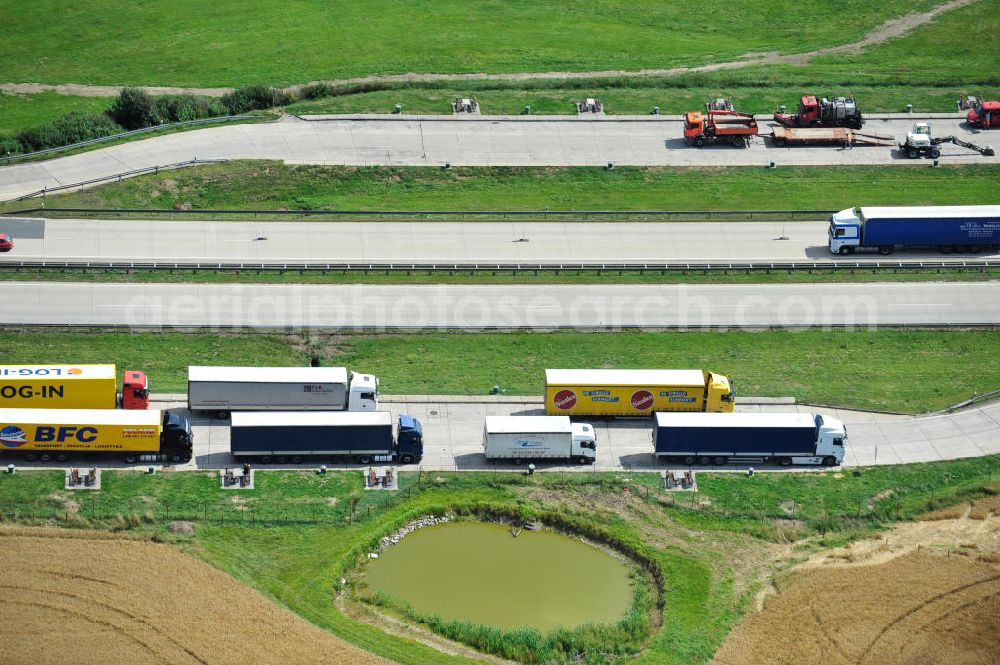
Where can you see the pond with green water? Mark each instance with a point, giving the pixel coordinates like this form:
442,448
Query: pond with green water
479,572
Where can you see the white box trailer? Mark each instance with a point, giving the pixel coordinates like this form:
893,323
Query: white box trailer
526,438
226,389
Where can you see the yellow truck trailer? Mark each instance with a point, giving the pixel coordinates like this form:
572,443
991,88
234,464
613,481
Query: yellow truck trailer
57,434
58,387
635,392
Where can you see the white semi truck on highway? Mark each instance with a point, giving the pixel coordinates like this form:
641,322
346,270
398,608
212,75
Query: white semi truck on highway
226,389
946,229
521,439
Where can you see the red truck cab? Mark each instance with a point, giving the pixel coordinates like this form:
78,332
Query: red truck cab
6,242
984,116
135,390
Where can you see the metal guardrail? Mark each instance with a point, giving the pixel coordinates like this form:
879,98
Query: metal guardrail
978,399
570,215
116,176
8,159
194,328
675,266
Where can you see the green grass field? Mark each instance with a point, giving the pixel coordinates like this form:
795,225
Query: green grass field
182,276
19,112
296,534
222,43
638,100
270,186
909,371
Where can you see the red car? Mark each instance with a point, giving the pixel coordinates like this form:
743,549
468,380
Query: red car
985,115
6,242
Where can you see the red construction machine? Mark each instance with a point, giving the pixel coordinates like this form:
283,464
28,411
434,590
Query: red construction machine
836,112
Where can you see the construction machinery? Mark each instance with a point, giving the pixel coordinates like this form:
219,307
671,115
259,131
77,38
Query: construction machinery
720,104
841,136
836,112
719,125
920,143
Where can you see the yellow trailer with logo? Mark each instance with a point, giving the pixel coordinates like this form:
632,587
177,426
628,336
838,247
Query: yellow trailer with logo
58,387
635,392
131,435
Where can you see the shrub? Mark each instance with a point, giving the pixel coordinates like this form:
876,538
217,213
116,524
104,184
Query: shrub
70,128
134,109
253,98
9,145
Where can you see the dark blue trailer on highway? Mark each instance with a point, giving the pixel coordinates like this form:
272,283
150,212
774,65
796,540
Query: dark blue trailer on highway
363,437
944,228
718,438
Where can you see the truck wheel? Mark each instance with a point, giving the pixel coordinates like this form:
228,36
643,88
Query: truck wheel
281,459
60,457
720,461
131,458
364,459
885,250
935,152
582,460
30,457
688,461
45,457
176,459
739,142
222,415
975,249
946,249
266,459
845,250
296,459
699,142
912,153
704,461
406,458
829,461
785,461
518,461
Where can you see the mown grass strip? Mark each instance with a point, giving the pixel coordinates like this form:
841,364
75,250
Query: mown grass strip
896,370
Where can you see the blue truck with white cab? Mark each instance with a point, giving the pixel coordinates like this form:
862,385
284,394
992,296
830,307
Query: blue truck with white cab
296,436
946,229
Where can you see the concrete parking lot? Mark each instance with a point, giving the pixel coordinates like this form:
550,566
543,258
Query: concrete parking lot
453,433
480,141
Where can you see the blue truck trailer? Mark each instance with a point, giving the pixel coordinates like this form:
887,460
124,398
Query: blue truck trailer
296,436
944,228
720,438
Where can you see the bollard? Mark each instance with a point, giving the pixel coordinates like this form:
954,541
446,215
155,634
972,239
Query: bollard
781,108
771,166
398,109
447,165
531,469
10,468
909,108
527,110
656,110
611,165
935,162
151,470
322,469
750,472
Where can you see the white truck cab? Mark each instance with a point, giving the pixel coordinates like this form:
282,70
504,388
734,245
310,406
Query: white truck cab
845,231
832,441
584,442
363,395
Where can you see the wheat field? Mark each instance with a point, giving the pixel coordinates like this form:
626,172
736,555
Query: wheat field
918,609
91,597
